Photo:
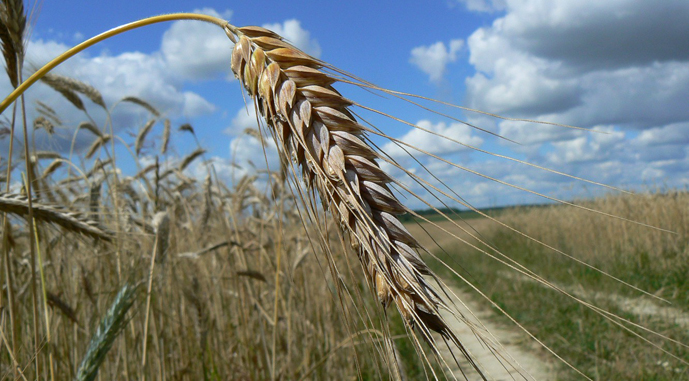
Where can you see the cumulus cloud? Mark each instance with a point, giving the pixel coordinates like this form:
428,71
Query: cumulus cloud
243,119
621,66
248,156
484,5
297,36
189,52
434,143
195,50
591,35
433,59
146,76
543,58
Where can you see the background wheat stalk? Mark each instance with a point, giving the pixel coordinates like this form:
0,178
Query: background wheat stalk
76,222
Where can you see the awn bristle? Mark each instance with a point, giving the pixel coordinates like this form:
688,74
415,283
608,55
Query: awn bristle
311,123
48,112
4,132
97,166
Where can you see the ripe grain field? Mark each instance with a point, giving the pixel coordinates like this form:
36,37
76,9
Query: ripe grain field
654,262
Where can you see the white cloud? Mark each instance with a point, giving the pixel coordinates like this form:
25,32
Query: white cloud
621,66
195,104
590,34
484,5
189,51
673,134
434,144
245,118
246,153
196,50
249,156
542,58
297,36
588,148
433,59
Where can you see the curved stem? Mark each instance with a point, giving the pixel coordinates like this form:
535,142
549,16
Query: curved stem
104,36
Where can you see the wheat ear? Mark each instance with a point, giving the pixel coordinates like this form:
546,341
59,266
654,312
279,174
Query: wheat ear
312,124
19,205
109,328
12,28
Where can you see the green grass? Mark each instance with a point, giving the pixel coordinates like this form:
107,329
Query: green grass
592,344
442,214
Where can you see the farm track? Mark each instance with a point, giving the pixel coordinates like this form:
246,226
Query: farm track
526,359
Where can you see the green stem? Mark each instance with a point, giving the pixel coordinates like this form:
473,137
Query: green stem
101,37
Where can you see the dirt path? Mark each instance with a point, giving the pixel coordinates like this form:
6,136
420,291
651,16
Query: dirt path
640,306
519,357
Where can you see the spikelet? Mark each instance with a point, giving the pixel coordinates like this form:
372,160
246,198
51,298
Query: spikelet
73,221
62,86
166,136
98,143
190,158
143,132
12,28
161,223
43,123
54,165
91,128
142,103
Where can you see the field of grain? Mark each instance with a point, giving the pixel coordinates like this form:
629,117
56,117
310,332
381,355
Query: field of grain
652,260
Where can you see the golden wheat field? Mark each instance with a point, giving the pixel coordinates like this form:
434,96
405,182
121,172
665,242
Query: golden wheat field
127,255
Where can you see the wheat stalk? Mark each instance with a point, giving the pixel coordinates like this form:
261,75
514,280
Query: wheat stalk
19,205
69,87
142,103
110,327
98,143
12,27
166,136
62,86
312,124
143,132
91,128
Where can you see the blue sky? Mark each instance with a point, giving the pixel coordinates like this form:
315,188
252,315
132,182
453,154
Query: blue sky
617,66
